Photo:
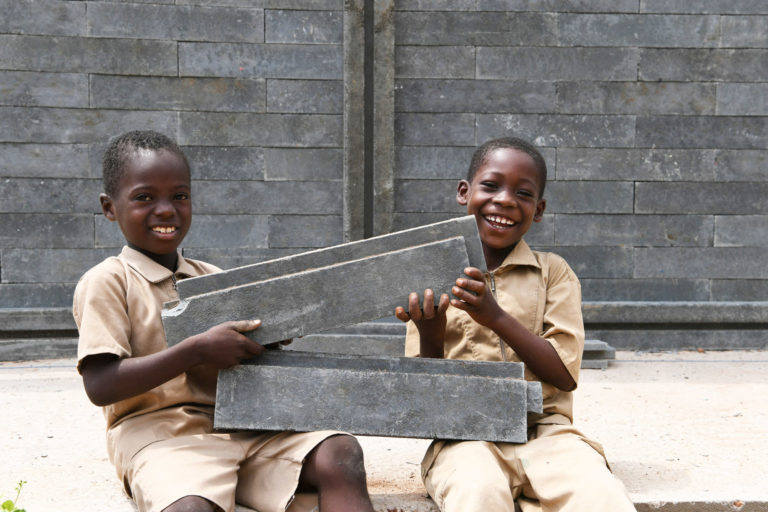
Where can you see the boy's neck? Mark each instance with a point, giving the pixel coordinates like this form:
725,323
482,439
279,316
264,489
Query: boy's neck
169,261
495,257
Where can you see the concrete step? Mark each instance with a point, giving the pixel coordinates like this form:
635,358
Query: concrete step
684,431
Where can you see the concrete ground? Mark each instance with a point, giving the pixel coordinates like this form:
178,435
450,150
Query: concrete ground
685,431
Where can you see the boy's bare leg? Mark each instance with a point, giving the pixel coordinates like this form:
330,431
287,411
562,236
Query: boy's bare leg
335,470
191,504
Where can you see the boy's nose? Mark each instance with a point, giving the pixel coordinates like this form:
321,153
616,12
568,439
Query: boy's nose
164,209
505,198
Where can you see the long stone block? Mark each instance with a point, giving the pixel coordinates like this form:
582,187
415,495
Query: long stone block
465,227
399,397
323,298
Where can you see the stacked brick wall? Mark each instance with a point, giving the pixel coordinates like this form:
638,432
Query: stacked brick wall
652,115
253,91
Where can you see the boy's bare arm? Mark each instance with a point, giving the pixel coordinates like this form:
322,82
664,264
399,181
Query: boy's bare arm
429,320
538,354
108,379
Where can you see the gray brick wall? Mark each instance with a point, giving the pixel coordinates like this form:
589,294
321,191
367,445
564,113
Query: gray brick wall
652,115
653,118
253,91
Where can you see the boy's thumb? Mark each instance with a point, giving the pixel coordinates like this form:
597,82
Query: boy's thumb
245,325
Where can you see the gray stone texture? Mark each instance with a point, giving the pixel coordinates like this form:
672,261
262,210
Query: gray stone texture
651,114
424,398
486,96
246,129
45,161
322,298
464,227
308,27
175,22
234,163
166,93
260,60
289,164
88,55
643,30
43,17
32,89
305,96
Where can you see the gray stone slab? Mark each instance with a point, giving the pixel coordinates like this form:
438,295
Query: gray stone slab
465,227
675,312
28,88
702,65
435,62
653,290
460,27
323,298
354,344
36,319
305,96
738,289
45,161
49,17
701,262
723,132
306,27
637,98
27,349
742,99
399,397
435,129
558,130
31,295
572,63
53,231
266,197
642,30
650,230
305,230
745,31
596,350
643,338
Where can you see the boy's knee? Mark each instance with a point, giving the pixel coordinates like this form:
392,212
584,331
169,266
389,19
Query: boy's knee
191,504
339,458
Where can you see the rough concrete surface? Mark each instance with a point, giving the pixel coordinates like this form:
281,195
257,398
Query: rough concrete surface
685,431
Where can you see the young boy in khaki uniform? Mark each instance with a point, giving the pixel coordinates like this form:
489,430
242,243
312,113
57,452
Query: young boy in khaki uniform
158,401
526,308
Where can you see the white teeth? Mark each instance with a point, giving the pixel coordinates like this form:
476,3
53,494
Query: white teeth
164,229
500,220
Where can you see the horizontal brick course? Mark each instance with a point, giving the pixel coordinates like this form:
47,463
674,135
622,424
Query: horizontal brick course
175,22
305,230
571,63
703,132
637,230
260,60
45,161
706,263
589,97
313,27
486,96
434,62
50,195
660,165
305,96
49,265
225,163
701,198
26,88
31,230
285,164
165,93
645,289
247,129
641,30
48,17
703,65
261,198
475,28
88,55
741,231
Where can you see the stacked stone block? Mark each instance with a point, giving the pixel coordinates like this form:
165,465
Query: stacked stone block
252,91
651,115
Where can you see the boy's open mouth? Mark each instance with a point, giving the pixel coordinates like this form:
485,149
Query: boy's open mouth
164,229
499,222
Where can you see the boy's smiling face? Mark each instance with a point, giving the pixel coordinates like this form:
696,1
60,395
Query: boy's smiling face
152,203
504,197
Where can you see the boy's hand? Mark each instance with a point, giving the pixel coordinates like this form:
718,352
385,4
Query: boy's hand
429,320
224,345
473,296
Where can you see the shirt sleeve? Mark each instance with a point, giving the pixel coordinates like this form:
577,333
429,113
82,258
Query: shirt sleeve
101,312
563,322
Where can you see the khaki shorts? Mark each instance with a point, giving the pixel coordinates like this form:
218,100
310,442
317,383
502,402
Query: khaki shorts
259,470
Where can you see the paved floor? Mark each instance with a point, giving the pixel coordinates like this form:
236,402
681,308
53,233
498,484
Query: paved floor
685,431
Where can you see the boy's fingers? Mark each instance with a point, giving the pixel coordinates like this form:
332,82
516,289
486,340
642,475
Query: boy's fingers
413,307
401,315
244,325
471,285
429,304
445,301
463,295
474,273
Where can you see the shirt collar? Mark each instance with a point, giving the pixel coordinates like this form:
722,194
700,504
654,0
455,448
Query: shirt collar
150,269
521,255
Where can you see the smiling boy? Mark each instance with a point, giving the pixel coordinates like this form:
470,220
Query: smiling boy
158,401
526,308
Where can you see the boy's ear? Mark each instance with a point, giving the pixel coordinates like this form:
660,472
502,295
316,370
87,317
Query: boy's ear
541,205
107,206
462,193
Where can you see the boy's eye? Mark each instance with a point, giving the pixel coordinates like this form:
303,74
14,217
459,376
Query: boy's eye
142,197
525,193
488,184
181,196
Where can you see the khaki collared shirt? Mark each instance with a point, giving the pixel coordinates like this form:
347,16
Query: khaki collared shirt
117,308
542,292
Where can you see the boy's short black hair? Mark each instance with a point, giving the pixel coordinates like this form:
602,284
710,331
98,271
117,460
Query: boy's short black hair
122,148
482,152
